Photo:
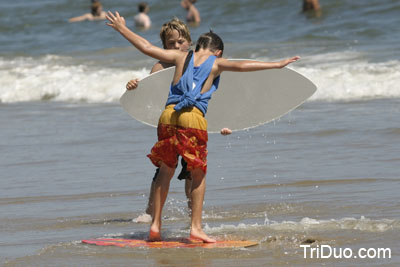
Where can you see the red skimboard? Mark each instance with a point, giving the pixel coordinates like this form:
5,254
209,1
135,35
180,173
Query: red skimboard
168,243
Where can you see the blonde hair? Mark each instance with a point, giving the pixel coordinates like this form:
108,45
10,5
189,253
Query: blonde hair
174,24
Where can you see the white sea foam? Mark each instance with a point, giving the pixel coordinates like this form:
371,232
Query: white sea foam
360,224
343,76
349,76
26,79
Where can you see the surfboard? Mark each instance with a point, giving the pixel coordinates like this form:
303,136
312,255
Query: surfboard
168,243
243,100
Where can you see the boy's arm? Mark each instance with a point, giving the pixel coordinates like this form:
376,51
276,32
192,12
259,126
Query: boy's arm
157,67
118,23
249,65
133,84
225,131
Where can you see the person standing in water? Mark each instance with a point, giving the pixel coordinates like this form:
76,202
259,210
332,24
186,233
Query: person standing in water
312,6
193,14
96,13
174,35
142,20
182,128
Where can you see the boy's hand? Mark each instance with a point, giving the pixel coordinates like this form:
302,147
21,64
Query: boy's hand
226,131
285,62
132,84
115,21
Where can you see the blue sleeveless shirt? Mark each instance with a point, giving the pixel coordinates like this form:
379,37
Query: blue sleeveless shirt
186,93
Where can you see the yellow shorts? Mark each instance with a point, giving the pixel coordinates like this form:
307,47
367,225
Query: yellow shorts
182,133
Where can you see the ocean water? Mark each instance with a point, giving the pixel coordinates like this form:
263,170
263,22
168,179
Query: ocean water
73,165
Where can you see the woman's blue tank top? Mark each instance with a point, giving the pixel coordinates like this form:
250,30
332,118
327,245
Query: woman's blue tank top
186,93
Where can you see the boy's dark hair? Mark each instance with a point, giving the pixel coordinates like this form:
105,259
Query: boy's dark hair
142,7
211,41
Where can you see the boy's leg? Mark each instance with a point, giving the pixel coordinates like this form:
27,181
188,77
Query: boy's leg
185,175
160,195
198,190
146,217
188,191
150,203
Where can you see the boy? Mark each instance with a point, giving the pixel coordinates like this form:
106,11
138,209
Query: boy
182,128
142,20
174,35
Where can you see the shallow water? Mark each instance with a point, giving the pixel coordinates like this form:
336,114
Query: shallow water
76,171
73,165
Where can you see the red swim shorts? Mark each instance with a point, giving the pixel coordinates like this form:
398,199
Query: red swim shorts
182,133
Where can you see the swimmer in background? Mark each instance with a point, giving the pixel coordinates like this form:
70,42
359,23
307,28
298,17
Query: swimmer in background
312,6
142,20
97,13
193,14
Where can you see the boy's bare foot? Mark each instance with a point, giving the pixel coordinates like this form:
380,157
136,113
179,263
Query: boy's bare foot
143,218
201,236
154,234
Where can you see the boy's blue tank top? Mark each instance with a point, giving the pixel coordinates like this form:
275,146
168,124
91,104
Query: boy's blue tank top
186,93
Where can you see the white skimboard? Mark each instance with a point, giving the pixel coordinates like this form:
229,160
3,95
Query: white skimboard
243,99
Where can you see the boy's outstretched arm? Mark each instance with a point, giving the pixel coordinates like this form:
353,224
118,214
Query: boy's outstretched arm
249,65
118,23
